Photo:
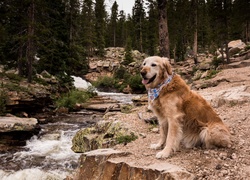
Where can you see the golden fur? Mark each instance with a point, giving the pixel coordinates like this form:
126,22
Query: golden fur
183,114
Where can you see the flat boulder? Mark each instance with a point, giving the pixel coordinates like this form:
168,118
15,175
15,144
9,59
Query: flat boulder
10,124
106,164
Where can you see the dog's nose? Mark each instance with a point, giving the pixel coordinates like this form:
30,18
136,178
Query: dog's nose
143,73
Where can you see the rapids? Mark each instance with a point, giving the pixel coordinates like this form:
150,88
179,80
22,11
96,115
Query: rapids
48,155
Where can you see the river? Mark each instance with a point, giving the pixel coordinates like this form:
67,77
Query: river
48,155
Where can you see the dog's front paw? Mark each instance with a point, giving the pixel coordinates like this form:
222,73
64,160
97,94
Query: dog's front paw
155,146
162,155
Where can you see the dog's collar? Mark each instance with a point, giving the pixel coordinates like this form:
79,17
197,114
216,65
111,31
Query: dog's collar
154,93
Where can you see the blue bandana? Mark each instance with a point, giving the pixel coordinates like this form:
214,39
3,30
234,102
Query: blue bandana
154,93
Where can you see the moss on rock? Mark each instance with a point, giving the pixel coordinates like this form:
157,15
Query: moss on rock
104,134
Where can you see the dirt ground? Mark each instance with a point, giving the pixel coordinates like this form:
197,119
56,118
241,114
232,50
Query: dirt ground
225,163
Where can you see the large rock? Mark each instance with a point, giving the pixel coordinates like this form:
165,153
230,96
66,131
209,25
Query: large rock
102,104
15,131
99,67
236,44
9,124
239,64
19,95
104,134
105,164
231,96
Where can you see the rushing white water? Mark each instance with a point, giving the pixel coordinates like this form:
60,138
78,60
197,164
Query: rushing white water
48,156
32,174
121,97
80,83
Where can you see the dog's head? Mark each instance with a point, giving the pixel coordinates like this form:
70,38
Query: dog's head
154,71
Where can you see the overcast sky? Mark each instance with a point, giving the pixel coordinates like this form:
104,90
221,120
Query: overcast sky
125,5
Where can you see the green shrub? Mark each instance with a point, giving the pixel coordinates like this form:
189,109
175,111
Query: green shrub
14,77
124,139
15,87
247,47
69,100
105,81
211,74
121,73
128,58
135,83
40,81
217,61
65,81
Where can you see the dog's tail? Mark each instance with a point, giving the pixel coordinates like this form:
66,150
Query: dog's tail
215,135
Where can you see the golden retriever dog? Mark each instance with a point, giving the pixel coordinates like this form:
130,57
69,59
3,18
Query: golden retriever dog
183,115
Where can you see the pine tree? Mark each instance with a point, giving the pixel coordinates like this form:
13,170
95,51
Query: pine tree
114,17
100,15
138,21
30,51
87,21
53,39
121,30
240,28
152,29
220,11
128,52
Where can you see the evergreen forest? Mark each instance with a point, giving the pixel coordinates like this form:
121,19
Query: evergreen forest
60,35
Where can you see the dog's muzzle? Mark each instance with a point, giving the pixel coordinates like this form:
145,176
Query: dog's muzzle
147,80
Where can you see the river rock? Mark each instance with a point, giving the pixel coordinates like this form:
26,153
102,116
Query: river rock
104,134
101,104
105,164
9,124
140,100
15,131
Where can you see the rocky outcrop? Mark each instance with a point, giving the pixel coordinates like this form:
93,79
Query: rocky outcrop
19,95
238,64
237,51
230,96
238,94
104,134
113,59
102,104
104,164
10,124
14,131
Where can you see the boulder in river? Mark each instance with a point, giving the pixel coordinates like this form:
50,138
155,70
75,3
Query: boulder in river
103,135
14,131
9,124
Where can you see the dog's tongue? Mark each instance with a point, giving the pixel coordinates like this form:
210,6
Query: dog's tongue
144,81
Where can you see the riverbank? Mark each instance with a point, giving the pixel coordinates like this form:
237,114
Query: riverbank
230,98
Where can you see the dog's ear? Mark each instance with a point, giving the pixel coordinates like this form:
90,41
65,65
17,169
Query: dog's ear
167,65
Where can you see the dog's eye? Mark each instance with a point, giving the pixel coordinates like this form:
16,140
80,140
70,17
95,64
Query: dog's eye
144,64
153,65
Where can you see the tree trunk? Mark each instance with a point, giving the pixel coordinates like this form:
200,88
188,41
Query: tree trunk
114,37
163,29
247,32
222,53
141,47
195,45
20,60
227,52
30,43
